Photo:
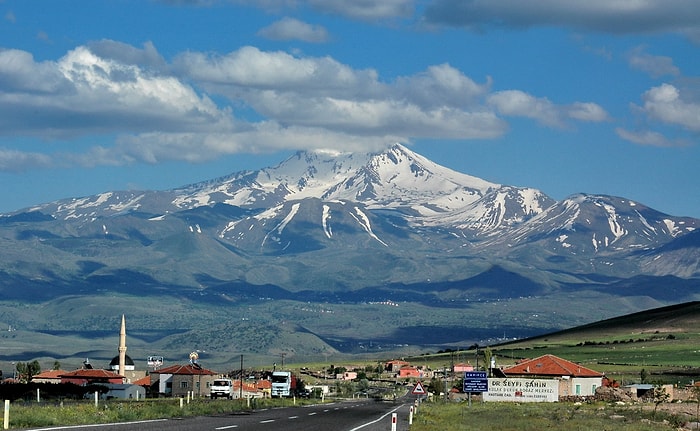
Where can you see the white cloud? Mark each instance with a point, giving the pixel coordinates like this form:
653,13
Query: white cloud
365,10
83,93
293,29
586,111
266,136
664,103
158,111
654,65
517,103
369,10
248,67
320,92
18,161
648,137
611,16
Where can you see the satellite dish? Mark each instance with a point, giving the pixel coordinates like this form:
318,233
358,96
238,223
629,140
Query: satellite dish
193,357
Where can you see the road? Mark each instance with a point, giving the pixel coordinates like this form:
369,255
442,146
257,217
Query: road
355,415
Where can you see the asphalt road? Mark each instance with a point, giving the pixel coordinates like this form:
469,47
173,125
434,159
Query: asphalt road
355,415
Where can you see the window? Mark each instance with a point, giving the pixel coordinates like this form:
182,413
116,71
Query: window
578,389
184,385
594,388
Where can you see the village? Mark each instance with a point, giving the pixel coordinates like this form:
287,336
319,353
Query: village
546,378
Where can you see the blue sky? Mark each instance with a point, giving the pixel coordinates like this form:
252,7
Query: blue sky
599,97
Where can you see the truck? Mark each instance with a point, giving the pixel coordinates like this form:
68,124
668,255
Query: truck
221,388
284,384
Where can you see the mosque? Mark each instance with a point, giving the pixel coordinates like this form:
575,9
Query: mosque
122,364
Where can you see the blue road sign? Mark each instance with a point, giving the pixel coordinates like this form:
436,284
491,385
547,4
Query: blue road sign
475,381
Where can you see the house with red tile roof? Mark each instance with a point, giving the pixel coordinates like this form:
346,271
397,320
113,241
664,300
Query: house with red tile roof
179,380
90,377
410,372
574,379
50,376
144,381
462,367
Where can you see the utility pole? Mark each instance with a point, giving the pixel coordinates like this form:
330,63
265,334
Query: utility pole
240,378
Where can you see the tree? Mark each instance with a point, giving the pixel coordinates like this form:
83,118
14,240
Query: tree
436,386
27,370
643,376
659,395
56,365
488,354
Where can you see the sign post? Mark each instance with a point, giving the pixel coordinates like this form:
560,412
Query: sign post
475,381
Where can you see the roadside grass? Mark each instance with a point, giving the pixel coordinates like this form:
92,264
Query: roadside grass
31,415
441,416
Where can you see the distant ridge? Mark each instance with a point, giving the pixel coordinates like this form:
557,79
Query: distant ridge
671,318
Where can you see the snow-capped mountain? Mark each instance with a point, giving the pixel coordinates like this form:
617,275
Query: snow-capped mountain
323,230
395,199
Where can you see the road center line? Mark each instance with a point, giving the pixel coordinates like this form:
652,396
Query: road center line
377,420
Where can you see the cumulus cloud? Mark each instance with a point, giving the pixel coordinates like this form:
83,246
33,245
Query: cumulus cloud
654,65
83,93
666,104
611,16
321,92
517,103
125,54
166,111
18,161
648,137
366,9
293,29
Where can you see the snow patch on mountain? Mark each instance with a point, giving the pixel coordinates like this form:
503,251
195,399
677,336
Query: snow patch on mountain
280,227
324,221
363,220
615,227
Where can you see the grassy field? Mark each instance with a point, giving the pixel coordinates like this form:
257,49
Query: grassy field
540,416
29,415
665,343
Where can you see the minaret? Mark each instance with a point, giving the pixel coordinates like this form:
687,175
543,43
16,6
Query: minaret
122,348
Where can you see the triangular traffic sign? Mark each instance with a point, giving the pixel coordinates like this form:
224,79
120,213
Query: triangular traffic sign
418,389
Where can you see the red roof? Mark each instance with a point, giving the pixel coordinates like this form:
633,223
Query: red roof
550,365
185,369
91,374
145,381
49,374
